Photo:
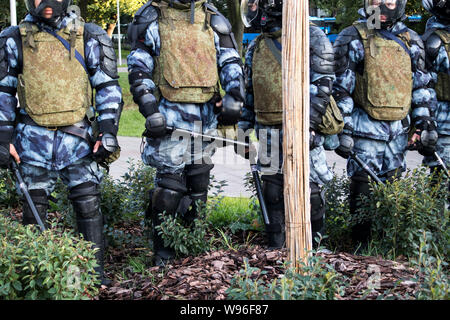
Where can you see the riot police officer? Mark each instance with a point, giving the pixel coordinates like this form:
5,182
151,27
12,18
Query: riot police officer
437,49
53,60
263,112
181,51
381,89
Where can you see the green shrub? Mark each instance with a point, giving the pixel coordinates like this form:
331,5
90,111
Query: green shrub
401,210
433,271
338,220
185,240
315,280
47,265
8,195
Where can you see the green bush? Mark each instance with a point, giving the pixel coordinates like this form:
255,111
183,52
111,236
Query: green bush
401,210
8,195
47,265
433,271
338,220
315,280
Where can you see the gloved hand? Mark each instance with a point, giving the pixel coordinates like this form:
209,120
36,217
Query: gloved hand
315,140
346,144
5,156
425,138
106,145
155,125
231,110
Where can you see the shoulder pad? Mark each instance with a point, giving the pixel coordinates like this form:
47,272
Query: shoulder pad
146,14
415,39
10,32
142,19
222,27
108,59
340,47
432,46
220,24
93,29
322,55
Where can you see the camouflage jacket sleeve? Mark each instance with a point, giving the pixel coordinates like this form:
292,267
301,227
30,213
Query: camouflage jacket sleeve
349,56
247,120
229,64
101,62
423,96
9,69
141,63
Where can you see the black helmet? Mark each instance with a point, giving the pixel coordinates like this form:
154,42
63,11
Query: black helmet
272,14
393,10
59,8
438,8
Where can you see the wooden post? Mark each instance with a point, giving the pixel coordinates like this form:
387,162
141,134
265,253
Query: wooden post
295,43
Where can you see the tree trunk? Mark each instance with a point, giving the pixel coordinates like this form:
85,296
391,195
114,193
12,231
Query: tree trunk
82,4
236,22
110,30
295,43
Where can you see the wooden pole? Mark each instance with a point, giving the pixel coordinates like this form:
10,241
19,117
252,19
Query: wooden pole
295,43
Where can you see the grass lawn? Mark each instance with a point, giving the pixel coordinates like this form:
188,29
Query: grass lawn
131,122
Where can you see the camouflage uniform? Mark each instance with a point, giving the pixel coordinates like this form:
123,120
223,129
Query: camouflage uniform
270,154
182,168
50,153
438,61
381,144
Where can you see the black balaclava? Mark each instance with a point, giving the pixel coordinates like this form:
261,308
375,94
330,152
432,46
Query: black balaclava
59,10
392,16
439,8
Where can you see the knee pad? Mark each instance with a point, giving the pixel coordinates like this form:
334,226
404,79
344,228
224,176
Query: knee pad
85,200
40,200
358,187
198,177
168,194
273,189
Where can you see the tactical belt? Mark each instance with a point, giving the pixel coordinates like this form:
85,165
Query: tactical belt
79,129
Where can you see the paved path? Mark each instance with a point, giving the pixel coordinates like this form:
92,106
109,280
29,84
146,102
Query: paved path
228,165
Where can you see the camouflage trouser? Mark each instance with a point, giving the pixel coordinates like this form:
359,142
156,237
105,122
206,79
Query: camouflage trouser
380,156
84,170
442,149
171,153
270,155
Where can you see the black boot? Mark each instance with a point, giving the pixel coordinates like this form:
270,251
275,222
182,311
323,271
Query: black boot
92,230
317,201
166,199
40,200
273,195
197,183
86,205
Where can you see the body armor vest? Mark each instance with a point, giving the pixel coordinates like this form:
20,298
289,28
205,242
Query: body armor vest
267,81
442,87
385,88
54,88
186,69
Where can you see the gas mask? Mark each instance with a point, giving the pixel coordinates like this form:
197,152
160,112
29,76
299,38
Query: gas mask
391,10
59,8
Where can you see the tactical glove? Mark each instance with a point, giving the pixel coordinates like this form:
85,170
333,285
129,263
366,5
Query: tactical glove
5,156
109,146
230,111
155,125
428,137
346,144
